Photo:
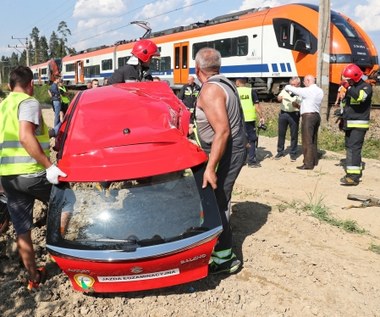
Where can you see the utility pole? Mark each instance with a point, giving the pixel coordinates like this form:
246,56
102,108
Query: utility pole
323,63
23,45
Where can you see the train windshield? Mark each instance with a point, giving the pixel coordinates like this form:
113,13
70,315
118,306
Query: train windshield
343,26
135,213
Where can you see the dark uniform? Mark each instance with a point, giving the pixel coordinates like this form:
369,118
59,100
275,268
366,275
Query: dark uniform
356,115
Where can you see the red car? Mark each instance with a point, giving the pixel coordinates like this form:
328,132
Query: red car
131,214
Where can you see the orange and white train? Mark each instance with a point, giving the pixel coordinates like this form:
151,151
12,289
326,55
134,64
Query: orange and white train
266,45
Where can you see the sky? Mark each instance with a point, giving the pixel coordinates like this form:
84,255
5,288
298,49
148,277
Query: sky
103,22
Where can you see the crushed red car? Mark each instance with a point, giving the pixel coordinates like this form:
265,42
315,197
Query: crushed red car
131,214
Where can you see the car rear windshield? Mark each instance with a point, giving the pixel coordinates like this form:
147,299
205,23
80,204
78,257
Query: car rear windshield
135,213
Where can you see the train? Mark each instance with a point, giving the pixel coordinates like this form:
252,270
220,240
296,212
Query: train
266,45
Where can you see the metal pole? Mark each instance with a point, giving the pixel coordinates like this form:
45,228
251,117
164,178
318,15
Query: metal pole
323,63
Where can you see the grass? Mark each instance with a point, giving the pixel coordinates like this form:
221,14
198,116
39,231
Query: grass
317,209
374,248
329,140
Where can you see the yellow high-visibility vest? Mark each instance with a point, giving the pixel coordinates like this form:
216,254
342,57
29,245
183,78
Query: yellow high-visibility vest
249,109
14,159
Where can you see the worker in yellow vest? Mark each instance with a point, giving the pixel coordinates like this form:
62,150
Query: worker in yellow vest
251,107
25,167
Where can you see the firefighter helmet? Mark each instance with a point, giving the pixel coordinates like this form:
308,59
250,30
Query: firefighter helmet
352,71
144,50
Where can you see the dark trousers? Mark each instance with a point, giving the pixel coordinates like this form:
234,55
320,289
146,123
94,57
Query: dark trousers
309,127
285,120
354,140
250,128
228,170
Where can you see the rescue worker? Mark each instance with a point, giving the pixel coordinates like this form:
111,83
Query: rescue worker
25,167
251,107
189,93
356,115
221,134
138,65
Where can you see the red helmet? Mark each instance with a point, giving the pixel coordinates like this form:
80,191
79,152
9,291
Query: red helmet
352,71
144,50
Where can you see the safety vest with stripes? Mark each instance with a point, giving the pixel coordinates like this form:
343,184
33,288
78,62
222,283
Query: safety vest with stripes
14,159
249,109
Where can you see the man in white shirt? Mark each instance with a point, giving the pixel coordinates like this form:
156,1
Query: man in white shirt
312,96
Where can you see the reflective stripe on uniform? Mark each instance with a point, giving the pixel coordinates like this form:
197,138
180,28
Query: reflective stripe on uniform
364,124
354,170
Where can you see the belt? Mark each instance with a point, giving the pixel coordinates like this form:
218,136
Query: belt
310,114
283,111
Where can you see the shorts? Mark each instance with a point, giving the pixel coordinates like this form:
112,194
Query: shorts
21,192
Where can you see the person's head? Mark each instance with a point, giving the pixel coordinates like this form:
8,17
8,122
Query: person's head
156,78
57,79
21,79
241,82
95,83
144,50
295,81
207,63
190,80
308,80
352,74
89,84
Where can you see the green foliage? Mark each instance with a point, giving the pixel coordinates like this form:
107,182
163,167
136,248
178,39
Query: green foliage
41,94
330,140
374,248
318,210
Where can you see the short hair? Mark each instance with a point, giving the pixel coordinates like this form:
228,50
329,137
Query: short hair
20,76
208,59
295,78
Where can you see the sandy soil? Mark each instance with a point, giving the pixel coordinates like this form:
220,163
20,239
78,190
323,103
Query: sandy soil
294,264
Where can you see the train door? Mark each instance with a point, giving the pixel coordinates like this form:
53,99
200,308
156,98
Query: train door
181,62
79,72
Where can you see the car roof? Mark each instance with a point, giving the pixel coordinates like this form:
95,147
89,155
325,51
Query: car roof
125,131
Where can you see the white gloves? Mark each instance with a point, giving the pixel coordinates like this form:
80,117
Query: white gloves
52,174
287,87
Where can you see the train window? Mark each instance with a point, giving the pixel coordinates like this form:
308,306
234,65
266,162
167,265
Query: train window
184,56
241,45
92,71
160,65
343,26
236,46
293,36
224,47
43,71
106,64
70,67
176,57
121,61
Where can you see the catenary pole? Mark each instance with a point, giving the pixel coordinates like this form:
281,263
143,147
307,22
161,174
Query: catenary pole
323,61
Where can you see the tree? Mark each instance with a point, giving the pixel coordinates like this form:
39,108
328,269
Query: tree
54,45
35,45
63,31
44,50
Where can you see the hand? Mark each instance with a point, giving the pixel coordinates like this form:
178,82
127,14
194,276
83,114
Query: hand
52,174
209,177
345,84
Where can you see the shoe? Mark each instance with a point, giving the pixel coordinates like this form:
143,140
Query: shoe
33,285
278,156
230,266
304,167
293,157
254,165
348,181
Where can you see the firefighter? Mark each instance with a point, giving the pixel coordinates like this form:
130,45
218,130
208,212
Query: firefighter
356,115
138,65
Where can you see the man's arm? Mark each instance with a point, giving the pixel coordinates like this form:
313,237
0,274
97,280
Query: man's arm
213,103
29,141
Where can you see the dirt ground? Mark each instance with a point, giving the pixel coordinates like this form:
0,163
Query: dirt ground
293,264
